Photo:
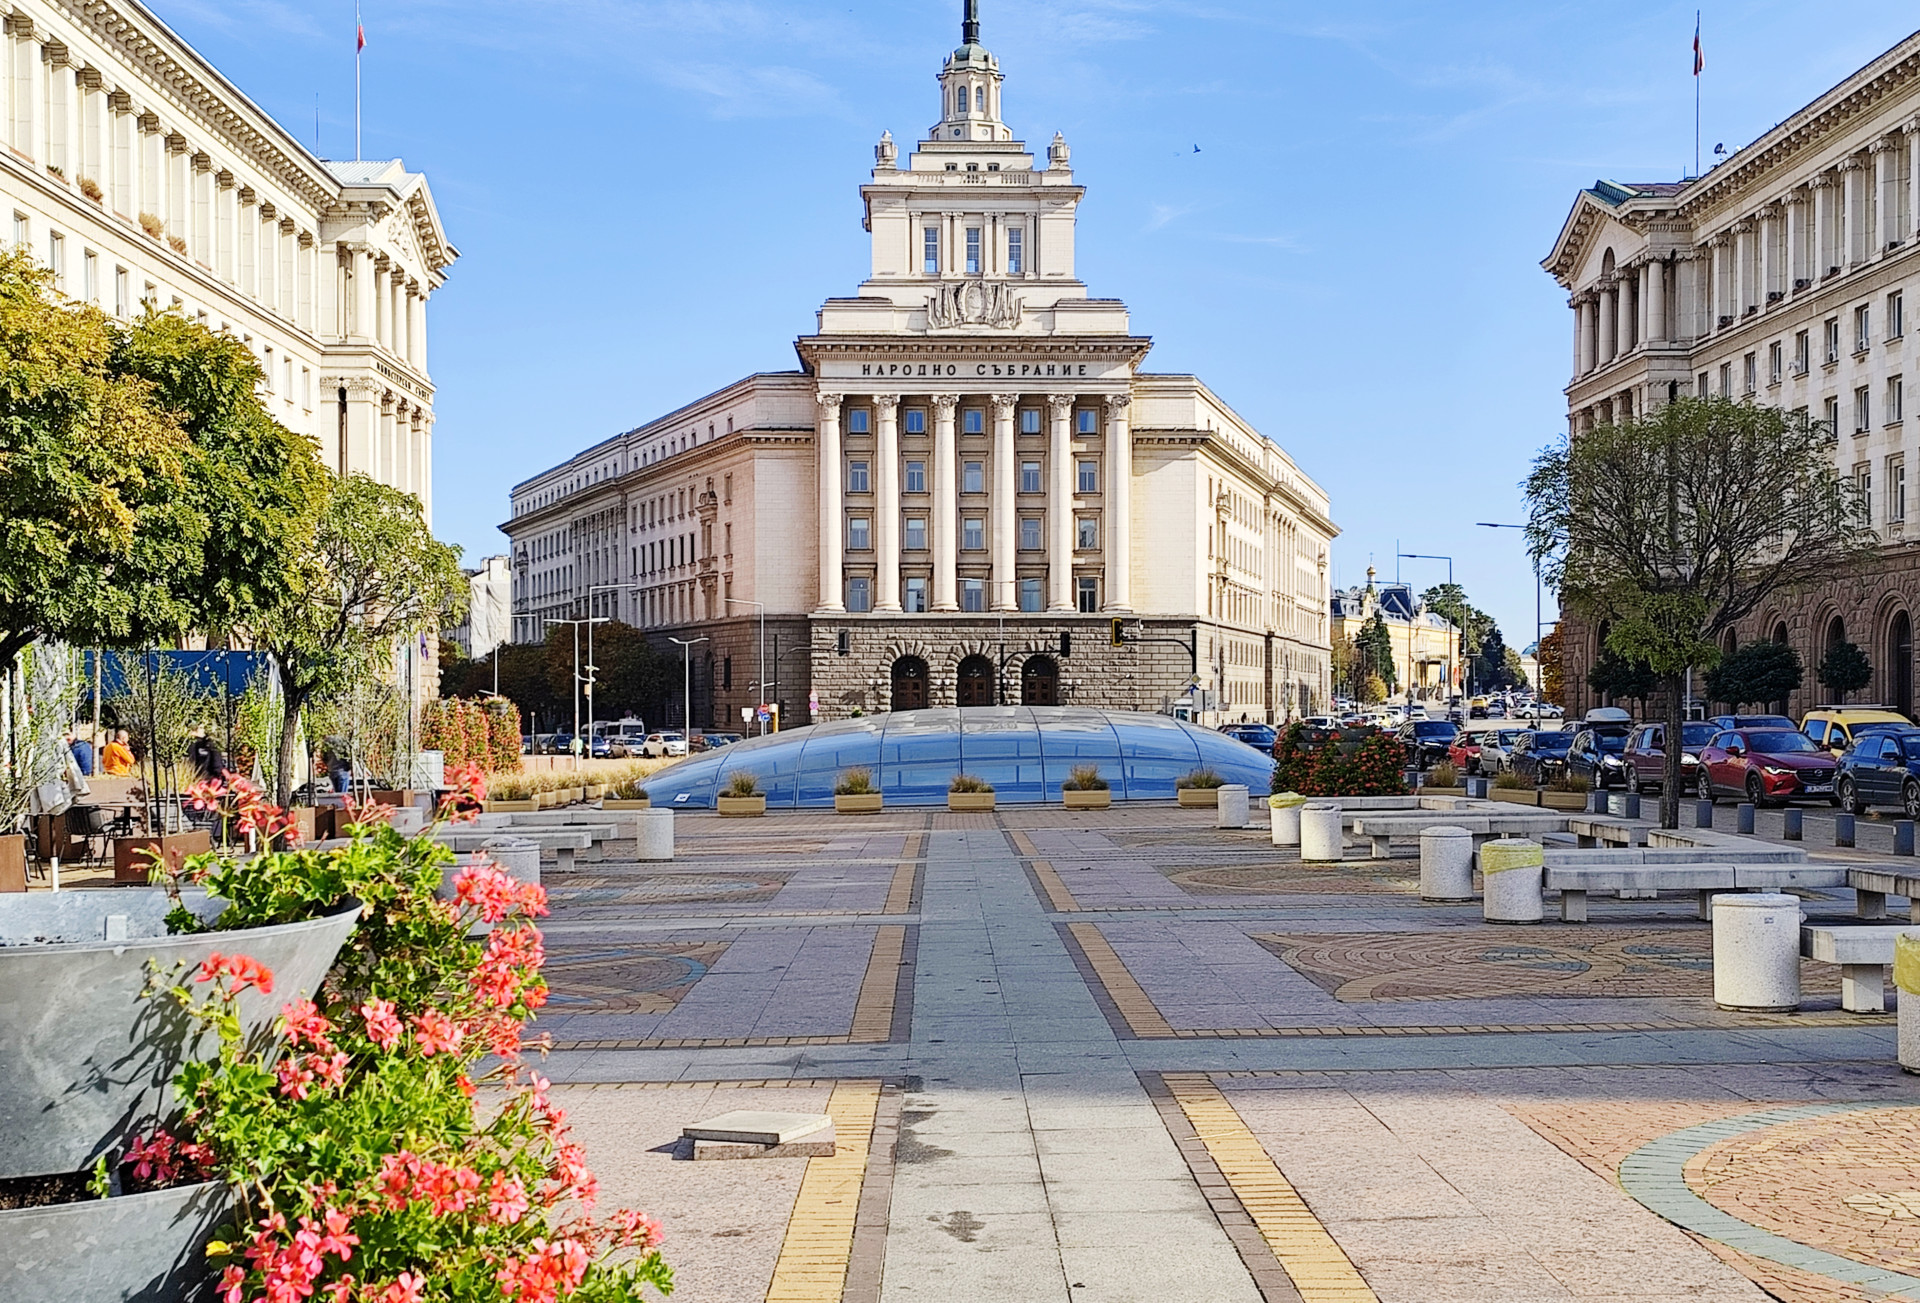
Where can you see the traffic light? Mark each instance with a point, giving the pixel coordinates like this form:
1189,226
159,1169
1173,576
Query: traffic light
1118,635
1066,645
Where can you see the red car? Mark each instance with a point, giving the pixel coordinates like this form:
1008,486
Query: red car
1465,753
1766,766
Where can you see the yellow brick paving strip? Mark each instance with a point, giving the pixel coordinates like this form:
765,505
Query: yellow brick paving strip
1319,1268
873,1011
819,1244
900,890
1143,1018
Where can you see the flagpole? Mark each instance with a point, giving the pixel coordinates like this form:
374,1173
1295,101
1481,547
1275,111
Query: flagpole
1698,63
360,43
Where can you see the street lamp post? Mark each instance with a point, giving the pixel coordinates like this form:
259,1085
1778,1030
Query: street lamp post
1538,622
686,683
576,672
741,601
1455,630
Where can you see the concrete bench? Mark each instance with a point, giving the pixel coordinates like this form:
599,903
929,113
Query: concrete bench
1380,830
1871,887
1595,829
565,843
1864,955
1644,881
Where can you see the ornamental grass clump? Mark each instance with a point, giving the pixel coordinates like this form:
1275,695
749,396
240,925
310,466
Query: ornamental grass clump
1200,778
1508,781
857,781
968,783
742,783
398,1147
1443,774
1084,778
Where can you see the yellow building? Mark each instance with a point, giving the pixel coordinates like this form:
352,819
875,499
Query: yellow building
1426,647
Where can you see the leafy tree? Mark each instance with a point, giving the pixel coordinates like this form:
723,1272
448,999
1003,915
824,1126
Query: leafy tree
1845,669
1342,658
1373,648
633,678
1675,527
1755,674
1373,690
1515,667
1550,652
1613,675
1490,659
370,574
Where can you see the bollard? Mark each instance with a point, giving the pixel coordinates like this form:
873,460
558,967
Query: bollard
1511,870
1596,802
653,839
1446,864
1903,837
1756,952
1792,823
1703,814
1412,778
1320,835
1843,830
1230,809
1477,788
1906,980
1630,805
1743,815
1286,817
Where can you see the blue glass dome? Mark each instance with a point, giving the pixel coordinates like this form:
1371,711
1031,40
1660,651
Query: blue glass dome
1026,752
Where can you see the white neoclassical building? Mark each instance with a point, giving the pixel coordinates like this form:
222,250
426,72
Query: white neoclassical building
140,175
968,482
1778,277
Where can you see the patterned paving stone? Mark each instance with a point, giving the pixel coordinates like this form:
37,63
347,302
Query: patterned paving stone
626,977
1282,879
601,889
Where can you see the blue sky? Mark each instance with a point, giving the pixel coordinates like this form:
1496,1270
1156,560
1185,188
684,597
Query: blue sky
652,197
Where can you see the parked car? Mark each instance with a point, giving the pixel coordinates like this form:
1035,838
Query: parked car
527,744
1881,768
1496,750
1465,753
1320,728
1721,723
1598,755
1837,728
714,741
1261,736
1765,765
1427,740
1540,755
660,745
602,748
1646,755
560,744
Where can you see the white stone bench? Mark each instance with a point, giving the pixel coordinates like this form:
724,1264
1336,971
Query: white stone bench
1872,886
1864,955
1644,881
565,843
1380,830
1592,829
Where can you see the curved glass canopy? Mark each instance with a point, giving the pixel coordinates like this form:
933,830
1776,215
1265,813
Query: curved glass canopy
1026,752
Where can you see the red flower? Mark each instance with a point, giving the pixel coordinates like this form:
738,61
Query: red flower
244,972
383,1028
405,1289
436,1033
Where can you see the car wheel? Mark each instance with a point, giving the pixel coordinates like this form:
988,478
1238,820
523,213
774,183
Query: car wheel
1910,799
1703,787
1756,792
1846,797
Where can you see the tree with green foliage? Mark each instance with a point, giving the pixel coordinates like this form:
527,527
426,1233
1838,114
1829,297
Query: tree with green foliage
1373,652
1675,527
634,679
371,574
1614,675
1516,670
1845,668
1756,674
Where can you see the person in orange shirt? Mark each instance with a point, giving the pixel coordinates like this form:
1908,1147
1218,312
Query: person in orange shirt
116,757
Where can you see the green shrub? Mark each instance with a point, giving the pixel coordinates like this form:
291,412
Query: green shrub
1508,781
857,781
1443,774
1084,778
968,783
742,782
1570,783
1201,779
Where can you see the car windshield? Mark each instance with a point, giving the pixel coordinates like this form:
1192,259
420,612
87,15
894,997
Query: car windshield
1552,741
1913,747
1507,737
1880,726
1697,735
1433,728
1781,742
1610,742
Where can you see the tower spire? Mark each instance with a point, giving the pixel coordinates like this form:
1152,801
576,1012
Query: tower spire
970,23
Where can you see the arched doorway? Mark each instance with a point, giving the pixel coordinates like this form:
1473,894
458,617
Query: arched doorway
1780,707
1040,682
976,681
1900,664
909,683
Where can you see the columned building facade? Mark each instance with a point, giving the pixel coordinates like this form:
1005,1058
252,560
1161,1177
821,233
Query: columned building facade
1779,277
968,482
139,175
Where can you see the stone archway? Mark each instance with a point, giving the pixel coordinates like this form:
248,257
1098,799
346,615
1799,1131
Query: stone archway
1899,663
1780,707
909,683
1040,681
975,682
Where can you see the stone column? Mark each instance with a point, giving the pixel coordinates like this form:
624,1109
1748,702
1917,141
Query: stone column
1880,213
1912,138
1642,300
1119,512
382,304
1657,303
1623,305
1609,319
1060,502
1767,261
1823,196
1579,307
886,485
362,287
1795,267
832,518
1853,232
946,506
1004,596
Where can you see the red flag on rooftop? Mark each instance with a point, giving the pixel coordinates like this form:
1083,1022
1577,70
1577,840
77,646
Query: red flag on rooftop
1699,59
360,32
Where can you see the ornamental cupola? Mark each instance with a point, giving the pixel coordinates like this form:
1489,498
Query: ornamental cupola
970,88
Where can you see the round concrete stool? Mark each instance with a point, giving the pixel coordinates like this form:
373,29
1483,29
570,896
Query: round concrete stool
1511,870
1756,951
1320,835
1286,817
653,839
1446,863
1906,980
1230,811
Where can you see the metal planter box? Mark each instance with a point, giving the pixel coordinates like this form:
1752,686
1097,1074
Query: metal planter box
145,1247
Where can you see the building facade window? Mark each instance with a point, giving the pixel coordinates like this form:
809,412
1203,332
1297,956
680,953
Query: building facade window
857,422
914,598
122,292
973,477
857,477
1896,315
1862,411
20,231
1896,488
1016,251
973,251
859,534
916,534
1086,591
1896,400
1087,421
57,258
1029,534
1833,339
1089,477
1831,416
916,420
1749,373
1030,595
1776,360
1086,534
973,594
1726,379
859,594
973,534
1029,420
930,251
973,421
1029,477
916,477
1863,485
1862,324
1801,356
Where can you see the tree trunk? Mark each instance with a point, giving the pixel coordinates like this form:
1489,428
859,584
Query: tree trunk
291,705
1672,752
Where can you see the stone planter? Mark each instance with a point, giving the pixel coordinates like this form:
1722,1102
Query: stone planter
857,803
13,863
1515,795
593,791
527,806
133,863
1199,798
84,1062
970,802
623,803
136,1246
740,807
1096,799
1575,801
1442,791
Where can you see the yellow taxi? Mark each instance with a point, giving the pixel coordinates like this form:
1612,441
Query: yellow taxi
1836,727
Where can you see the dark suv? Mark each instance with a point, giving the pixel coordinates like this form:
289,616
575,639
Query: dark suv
1541,755
1646,755
1599,756
1427,740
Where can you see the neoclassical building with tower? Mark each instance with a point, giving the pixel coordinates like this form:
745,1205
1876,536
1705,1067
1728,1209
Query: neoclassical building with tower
968,481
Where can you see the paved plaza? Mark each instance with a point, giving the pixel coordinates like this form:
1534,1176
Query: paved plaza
1126,1055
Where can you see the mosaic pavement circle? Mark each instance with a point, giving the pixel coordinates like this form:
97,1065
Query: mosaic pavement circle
667,889
621,978
1543,961
1289,879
